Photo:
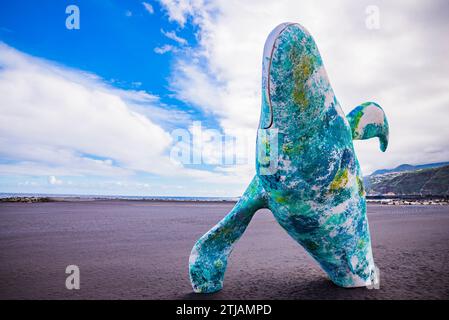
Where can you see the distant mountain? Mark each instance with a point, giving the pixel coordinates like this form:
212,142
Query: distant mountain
407,180
409,167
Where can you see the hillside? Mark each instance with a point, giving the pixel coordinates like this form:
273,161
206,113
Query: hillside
409,167
418,181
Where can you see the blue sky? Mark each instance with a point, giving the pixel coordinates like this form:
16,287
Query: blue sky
116,40
99,110
109,43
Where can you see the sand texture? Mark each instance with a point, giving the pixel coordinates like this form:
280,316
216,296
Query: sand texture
140,250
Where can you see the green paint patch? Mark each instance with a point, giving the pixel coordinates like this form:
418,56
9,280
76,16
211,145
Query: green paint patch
218,264
299,96
361,244
302,70
360,186
355,127
289,148
281,199
340,180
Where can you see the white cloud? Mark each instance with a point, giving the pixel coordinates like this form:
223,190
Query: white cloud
128,13
178,10
61,121
173,36
54,181
165,48
402,66
148,7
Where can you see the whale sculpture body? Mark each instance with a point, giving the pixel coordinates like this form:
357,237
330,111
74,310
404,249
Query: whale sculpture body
307,172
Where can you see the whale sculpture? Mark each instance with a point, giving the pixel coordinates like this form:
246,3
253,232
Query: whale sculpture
307,172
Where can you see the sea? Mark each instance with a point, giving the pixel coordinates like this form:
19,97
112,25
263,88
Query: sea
84,197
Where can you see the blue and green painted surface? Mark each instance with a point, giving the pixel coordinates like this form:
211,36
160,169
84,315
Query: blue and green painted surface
307,172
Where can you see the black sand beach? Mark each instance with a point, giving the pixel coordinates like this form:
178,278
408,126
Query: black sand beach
140,250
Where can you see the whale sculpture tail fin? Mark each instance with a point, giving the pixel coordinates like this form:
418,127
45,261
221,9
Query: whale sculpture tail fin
367,121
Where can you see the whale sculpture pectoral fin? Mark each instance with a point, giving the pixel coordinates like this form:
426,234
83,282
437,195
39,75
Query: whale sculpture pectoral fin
209,256
367,121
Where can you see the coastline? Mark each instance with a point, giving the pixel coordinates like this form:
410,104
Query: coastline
81,198
381,200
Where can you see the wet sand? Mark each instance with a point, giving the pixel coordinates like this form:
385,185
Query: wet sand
140,250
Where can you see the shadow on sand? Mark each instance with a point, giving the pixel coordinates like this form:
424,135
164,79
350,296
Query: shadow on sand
301,289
